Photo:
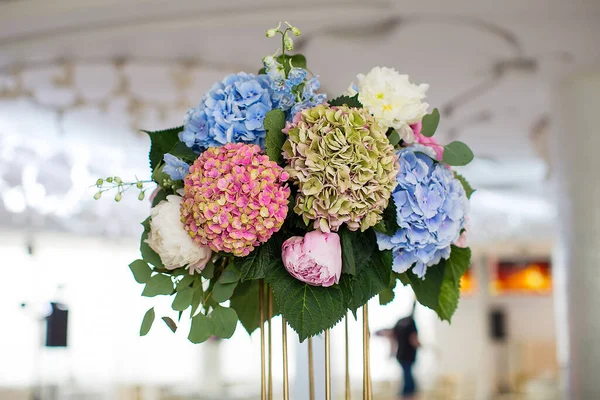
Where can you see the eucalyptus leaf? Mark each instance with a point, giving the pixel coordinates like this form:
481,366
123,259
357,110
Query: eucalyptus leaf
158,284
224,321
457,154
183,299
229,275
245,303
185,283
147,322
196,299
223,292
170,323
141,271
430,123
149,255
201,330
209,270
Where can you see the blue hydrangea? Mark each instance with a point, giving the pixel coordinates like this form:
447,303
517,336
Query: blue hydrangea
175,168
232,111
431,205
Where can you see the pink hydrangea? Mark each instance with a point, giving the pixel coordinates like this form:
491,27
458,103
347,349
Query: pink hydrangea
427,141
234,198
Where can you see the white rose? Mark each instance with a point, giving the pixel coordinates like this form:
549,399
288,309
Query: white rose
171,242
392,99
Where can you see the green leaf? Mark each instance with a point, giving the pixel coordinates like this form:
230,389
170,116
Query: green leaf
389,220
468,188
457,154
274,122
229,275
387,295
298,61
346,100
162,142
430,123
141,271
357,248
440,290
223,291
147,322
258,263
196,299
394,137
184,153
308,309
262,71
148,254
183,299
185,282
170,323
201,330
372,280
245,303
160,196
224,321
158,284
209,270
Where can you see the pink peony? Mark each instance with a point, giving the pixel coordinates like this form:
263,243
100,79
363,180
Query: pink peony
427,141
234,198
315,259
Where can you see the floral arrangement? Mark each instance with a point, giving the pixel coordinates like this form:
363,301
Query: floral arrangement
326,202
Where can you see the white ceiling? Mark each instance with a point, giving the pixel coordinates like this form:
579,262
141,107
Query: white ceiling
513,50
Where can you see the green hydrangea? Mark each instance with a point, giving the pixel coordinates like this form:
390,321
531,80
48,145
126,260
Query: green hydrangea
343,164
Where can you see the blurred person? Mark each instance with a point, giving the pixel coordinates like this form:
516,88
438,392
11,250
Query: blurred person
404,341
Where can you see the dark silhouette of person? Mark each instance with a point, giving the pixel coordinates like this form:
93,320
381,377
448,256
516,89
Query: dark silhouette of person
405,340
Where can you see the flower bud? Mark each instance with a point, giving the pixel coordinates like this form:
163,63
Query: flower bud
271,32
140,184
288,43
141,196
295,31
118,180
97,196
109,179
99,182
118,197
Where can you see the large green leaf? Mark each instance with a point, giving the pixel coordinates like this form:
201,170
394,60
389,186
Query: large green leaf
160,196
201,330
371,280
394,137
149,255
183,299
346,100
141,271
162,142
245,303
357,248
158,284
258,263
457,154
274,122
224,321
468,188
389,220
440,290
309,310
430,123
147,322
184,153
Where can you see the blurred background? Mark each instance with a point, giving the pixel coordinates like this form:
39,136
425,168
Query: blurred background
519,81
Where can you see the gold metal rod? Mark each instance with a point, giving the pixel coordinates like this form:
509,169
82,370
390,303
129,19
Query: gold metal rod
270,347
261,308
286,387
365,354
369,381
348,388
327,367
311,371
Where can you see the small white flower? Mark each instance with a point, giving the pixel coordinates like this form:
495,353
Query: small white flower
171,242
392,99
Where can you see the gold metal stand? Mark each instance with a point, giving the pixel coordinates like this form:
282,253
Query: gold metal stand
286,387
269,343
327,367
348,388
311,371
261,308
367,388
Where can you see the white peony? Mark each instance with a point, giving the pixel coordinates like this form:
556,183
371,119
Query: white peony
172,243
392,99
